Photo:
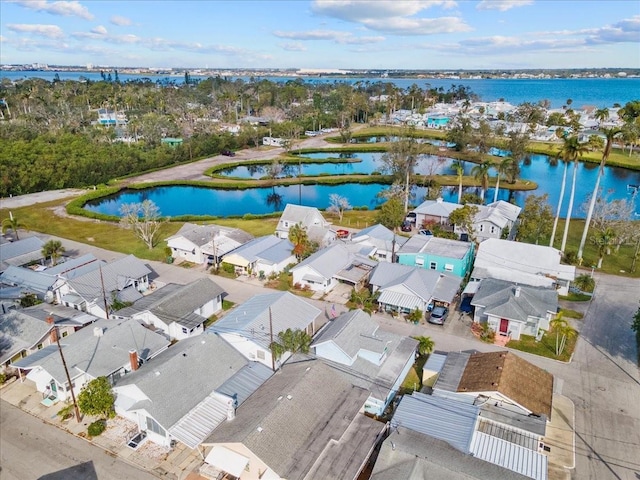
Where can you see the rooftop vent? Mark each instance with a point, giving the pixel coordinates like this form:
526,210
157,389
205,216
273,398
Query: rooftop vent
289,397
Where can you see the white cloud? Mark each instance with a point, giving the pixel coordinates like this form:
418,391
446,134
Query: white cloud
347,38
393,17
71,8
49,31
626,30
120,20
293,47
100,30
502,5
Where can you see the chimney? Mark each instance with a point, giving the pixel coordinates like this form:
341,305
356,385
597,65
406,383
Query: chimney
54,330
98,331
517,292
133,359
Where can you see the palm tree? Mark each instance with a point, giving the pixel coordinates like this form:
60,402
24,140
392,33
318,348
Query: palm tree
571,150
563,331
53,249
481,173
425,345
502,168
610,134
605,239
458,167
13,224
601,114
298,237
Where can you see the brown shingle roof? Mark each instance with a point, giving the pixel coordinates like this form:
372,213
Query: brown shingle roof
512,376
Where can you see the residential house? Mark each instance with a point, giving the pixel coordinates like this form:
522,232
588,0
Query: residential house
253,325
96,286
463,426
188,390
435,211
178,311
335,264
18,253
303,423
402,288
513,310
264,256
110,117
308,218
109,348
523,263
384,242
439,254
496,220
205,243
380,360
28,330
28,281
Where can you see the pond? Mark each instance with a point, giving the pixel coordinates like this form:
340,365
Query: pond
183,200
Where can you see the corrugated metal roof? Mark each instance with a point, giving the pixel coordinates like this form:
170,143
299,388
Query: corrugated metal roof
509,455
20,248
198,424
448,420
37,282
245,382
452,371
435,362
401,300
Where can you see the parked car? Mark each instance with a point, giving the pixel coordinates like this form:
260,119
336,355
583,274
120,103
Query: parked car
406,226
428,233
228,153
438,315
411,217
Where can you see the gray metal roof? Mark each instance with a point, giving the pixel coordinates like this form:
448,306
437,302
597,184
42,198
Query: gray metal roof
20,331
452,370
435,362
328,261
291,420
409,455
445,419
380,237
251,318
300,214
499,298
100,355
21,252
269,247
442,247
36,282
179,383
200,235
73,267
436,208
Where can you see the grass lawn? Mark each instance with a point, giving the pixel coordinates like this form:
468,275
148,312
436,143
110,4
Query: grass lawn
413,381
575,297
545,347
568,313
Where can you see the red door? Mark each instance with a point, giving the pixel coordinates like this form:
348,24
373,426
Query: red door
504,325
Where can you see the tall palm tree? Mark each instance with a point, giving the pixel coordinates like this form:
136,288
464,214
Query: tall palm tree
571,150
53,249
12,223
601,114
610,134
481,173
563,332
501,168
458,167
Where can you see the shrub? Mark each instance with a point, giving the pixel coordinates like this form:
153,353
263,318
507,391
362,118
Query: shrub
228,268
570,257
66,412
487,334
96,428
3,378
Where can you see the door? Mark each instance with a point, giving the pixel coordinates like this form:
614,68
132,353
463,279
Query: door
54,389
504,326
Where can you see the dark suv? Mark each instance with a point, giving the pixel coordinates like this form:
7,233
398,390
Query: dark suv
406,226
228,153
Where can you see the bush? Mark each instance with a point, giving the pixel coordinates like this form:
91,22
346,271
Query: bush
66,412
570,257
96,428
487,334
228,268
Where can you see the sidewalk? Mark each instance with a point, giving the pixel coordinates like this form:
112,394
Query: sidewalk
560,438
173,464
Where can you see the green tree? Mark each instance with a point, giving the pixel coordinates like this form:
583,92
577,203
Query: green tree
145,220
53,249
481,173
29,300
517,145
502,168
391,214
290,341
460,133
425,345
563,332
463,218
12,223
585,282
601,114
458,167
610,134
400,160
536,219
572,150
635,326
97,398
415,315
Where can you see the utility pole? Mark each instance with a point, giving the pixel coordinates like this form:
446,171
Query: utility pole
104,294
273,358
66,371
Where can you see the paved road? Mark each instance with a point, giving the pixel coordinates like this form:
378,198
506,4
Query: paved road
31,449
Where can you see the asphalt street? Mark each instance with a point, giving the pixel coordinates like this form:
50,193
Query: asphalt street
32,449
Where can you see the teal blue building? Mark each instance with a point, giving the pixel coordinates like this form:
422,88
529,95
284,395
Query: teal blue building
440,254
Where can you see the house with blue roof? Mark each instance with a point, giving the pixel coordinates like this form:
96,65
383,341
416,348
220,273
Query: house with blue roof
439,254
252,326
264,256
188,390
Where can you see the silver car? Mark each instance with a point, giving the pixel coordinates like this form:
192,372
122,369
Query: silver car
438,315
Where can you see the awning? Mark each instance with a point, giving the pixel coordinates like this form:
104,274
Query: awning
227,460
401,300
314,279
471,288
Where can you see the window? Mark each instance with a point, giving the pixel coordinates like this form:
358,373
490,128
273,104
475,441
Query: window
64,334
184,330
493,229
481,227
448,267
261,355
39,346
154,426
419,261
433,265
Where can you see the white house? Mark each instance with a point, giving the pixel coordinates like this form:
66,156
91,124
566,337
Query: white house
188,390
253,325
494,219
308,218
512,310
205,243
384,242
523,263
178,311
383,358
266,255
335,264
108,348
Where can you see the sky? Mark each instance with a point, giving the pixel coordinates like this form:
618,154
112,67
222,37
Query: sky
323,34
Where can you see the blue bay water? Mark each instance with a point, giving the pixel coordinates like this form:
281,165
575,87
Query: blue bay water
599,92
